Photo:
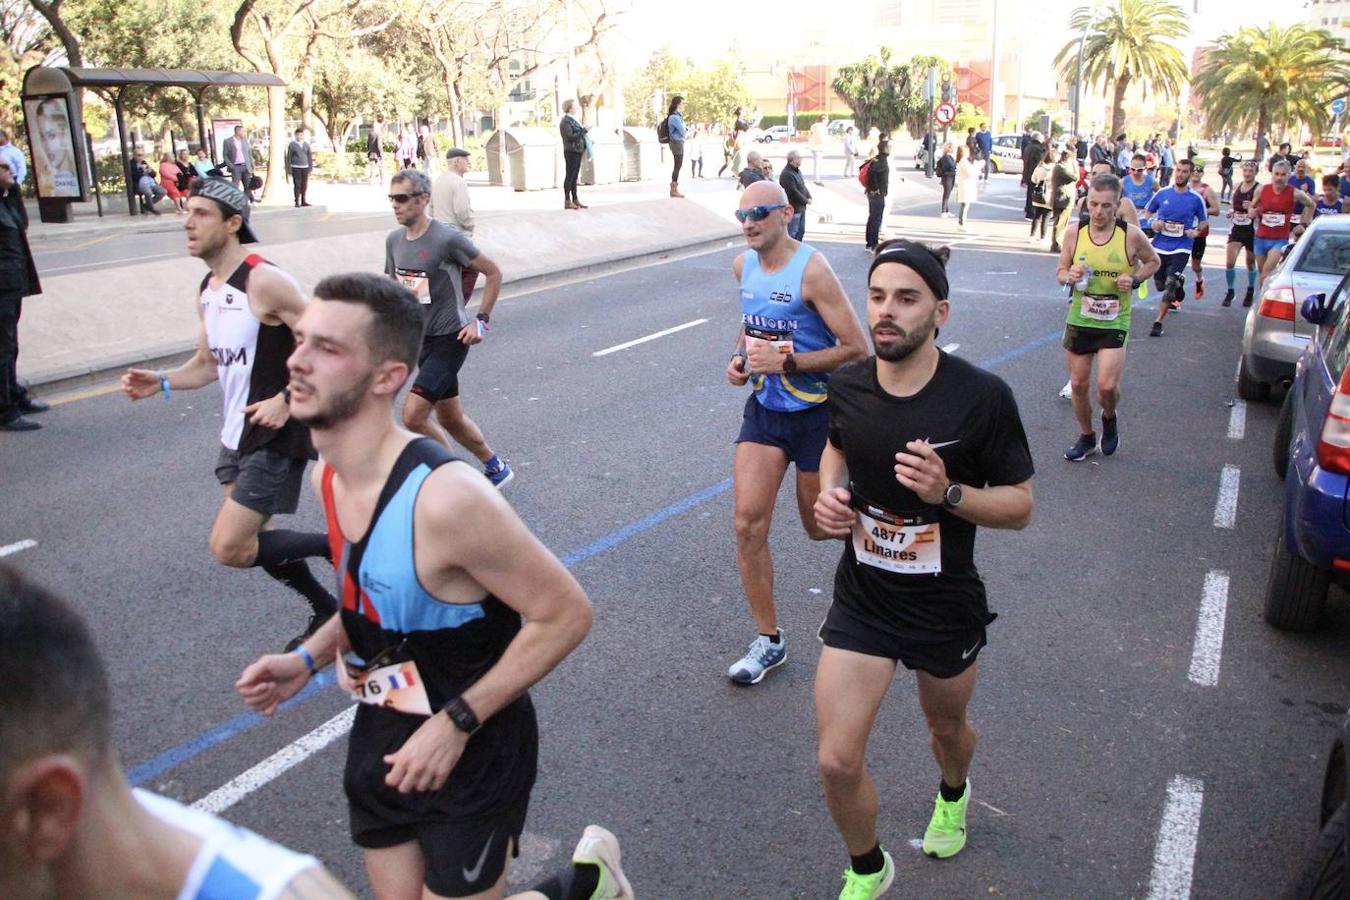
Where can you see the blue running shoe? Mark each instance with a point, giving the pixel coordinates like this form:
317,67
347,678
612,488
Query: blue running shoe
1110,436
762,656
500,476
1085,446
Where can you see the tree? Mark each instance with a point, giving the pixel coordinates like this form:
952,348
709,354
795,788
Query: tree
712,93
350,83
1128,43
28,41
885,96
1264,77
664,74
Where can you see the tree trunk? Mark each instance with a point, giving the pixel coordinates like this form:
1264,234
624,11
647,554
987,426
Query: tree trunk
276,151
1118,105
1262,128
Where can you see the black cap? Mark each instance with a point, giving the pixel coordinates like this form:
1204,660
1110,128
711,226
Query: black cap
229,197
456,153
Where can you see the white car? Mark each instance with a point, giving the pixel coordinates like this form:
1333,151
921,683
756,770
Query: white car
776,133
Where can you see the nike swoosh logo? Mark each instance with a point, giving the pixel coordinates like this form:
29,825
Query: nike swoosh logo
943,444
965,654
471,875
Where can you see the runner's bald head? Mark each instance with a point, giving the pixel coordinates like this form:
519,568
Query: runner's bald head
56,695
763,193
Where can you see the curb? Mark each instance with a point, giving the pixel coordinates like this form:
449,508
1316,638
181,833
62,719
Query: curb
174,353
150,224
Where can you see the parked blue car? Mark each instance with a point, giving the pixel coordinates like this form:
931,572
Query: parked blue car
1312,454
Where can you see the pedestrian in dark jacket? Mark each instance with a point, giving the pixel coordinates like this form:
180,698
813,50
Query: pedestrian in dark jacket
1032,154
946,172
878,186
574,148
794,185
753,171
18,279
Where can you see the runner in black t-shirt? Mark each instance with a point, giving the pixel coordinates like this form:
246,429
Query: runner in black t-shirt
923,448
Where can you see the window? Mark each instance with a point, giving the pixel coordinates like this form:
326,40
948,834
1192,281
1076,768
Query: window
1327,253
1336,337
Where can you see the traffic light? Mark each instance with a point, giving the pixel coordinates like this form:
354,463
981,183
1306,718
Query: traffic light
948,92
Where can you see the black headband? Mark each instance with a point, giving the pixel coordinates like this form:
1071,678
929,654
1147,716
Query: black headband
931,267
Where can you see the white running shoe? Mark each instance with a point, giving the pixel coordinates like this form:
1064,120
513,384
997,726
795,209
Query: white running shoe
599,847
1067,391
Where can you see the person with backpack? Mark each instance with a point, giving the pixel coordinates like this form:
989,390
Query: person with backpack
945,168
876,178
574,148
673,133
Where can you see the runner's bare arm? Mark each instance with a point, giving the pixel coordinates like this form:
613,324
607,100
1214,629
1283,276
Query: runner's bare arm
833,514
920,468
738,370
315,884
1140,249
198,371
1068,273
826,295
1125,210
492,282
275,296
1309,206
1211,203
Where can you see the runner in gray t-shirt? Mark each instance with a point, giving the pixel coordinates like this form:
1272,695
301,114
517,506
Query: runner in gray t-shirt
427,257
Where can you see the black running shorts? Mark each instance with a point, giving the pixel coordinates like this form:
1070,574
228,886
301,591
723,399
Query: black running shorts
264,481
1242,234
1087,341
438,367
462,858
946,658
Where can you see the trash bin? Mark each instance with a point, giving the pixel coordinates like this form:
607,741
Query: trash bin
603,166
642,155
534,158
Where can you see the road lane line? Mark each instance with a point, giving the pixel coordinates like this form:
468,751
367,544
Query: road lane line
1225,509
236,789
1237,420
11,549
86,394
1209,632
1174,854
651,337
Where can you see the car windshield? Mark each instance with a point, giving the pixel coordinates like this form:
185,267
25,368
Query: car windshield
1327,253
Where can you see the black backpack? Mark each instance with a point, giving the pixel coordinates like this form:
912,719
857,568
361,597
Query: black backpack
663,130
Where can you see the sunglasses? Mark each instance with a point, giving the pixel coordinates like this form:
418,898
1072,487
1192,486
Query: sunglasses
757,213
404,198
1139,169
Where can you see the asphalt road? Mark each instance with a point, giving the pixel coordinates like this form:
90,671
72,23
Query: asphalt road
1085,709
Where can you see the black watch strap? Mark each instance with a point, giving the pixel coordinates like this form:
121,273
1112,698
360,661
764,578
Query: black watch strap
461,715
483,317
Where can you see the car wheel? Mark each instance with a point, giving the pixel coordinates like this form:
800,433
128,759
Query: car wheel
993,165
1284,428
1324,875
1248,388
1296,590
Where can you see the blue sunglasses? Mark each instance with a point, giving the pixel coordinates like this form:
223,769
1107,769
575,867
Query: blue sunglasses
757,213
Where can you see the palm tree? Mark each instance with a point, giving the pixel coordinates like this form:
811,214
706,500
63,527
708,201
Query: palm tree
1271,76
1130,42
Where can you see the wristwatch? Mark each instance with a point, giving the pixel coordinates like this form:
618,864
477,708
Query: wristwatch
951,498
483,317
461,715
789,363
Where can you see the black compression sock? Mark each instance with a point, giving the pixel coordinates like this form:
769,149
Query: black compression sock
775,638
951,794
282,545
577,883
295,575
868,863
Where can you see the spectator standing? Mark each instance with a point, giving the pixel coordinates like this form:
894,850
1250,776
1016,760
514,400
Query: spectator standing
168,179
1167,161
794,185
574,148
1100,152
753,171
299,163
984,139
375,156
851,152
878,186
1064,190
1226,161
144,183
678,133
1285,154
450,204
945,168
1081,148
406,149
1032,154
972,144
239,158
1042,200
13,156
1124,153
820,136
968,183
18,279
426,150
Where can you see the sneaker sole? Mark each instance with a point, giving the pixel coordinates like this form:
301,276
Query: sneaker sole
602,845
760,677
510,477
933,854
1092,452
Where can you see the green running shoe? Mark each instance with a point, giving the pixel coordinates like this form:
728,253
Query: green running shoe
865,887
946,833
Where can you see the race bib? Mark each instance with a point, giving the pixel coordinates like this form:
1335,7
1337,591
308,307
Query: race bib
1241,219
907,545
1273,219
415,280
1102,307
780,341
398,686
1173,229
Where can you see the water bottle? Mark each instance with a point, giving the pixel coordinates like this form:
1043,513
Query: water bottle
1082,284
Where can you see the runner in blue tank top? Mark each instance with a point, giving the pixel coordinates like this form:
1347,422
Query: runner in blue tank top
1137,186
796,327
452,607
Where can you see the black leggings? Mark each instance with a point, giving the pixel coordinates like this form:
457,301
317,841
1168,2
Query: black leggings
677,151
1040,215
573,159
948,183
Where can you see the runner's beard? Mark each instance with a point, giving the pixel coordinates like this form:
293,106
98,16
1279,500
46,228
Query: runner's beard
905,343
339,408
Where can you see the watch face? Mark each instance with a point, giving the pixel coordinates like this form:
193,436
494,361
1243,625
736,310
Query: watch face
953,496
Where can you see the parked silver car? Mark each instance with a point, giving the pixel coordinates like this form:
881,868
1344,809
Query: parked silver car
1275,333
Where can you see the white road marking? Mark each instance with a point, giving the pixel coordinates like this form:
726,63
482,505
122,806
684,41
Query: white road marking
951,348
230,793
1225,510
1237,420
10,549
1209,632
1174,854
651,337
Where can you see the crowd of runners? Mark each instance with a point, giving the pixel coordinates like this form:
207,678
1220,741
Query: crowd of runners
448,610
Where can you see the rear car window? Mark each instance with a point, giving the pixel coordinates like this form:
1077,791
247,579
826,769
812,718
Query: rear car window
1327,253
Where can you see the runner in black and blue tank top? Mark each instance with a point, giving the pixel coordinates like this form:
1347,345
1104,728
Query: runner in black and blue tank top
796,328
451,611
246,307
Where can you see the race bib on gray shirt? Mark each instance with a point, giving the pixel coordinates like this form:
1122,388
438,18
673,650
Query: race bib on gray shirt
430,267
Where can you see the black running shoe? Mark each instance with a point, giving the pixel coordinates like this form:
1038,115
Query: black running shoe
1110,436
1156,330
1228,298
1085,446
316,621
1247,300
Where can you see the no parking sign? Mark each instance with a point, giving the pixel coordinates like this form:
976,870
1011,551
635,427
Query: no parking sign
945,114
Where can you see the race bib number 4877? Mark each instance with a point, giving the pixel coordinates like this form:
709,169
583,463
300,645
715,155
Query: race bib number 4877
907,545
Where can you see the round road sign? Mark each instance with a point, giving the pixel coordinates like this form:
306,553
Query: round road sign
945,114
1338,106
